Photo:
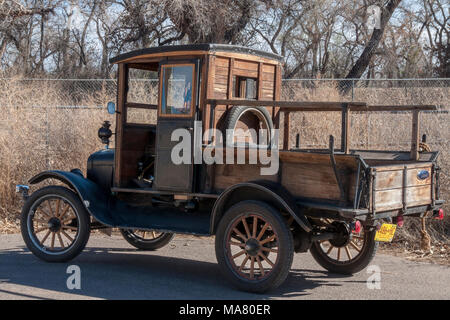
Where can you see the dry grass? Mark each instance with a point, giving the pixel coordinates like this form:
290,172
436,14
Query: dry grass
36,133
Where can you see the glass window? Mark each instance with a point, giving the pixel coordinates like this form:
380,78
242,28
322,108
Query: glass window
244,87
177,90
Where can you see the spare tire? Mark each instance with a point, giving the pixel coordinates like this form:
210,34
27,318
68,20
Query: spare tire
245,118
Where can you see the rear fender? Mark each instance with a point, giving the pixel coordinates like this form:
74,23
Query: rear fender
266,191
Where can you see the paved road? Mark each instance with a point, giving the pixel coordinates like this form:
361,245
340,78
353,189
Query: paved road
187,269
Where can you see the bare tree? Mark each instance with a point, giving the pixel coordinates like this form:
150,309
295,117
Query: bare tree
367,54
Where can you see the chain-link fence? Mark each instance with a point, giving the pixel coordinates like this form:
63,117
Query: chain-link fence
52,123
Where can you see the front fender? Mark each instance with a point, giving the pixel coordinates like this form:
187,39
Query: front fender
94,199
266,191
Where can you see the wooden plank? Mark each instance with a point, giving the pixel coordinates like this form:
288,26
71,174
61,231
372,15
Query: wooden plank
227,175
245,56
286,131
394,179
288,105
345,144
400,167
221,78
260,80
418,195
230,79
415,136
245,73
268,76
412,177
393,198
389,180
267,93
141,106
269,68
209,82
246,65
277,95
222,62
388,199
121,116
324,105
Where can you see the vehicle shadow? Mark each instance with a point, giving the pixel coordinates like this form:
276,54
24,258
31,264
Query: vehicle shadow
130,274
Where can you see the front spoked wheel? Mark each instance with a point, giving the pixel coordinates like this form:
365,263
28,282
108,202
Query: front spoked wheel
55,225
254,246
347,254
146,239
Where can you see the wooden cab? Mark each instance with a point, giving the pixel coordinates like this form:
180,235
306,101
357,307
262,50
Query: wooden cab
189,76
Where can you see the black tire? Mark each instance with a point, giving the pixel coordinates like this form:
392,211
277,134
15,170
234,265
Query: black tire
358,263
236,112
81,223
146,244
284,243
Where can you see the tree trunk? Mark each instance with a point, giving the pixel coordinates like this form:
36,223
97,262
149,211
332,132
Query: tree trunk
366,56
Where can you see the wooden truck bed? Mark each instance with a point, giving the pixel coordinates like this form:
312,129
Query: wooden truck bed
367,182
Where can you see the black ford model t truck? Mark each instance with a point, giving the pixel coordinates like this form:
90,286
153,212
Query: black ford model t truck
336,203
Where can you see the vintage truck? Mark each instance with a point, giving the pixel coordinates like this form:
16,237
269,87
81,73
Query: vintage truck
337,203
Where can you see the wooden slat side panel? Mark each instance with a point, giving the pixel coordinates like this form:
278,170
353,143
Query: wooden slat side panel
310,181
412,178
418,195
246,65
394,179
388,199
310,176
268,68
390,189
222,62
389,180
221,75
267,93
227,175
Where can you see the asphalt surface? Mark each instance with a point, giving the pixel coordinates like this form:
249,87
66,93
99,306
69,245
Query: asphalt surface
187,269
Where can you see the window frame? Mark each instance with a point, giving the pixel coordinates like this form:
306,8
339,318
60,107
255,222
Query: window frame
193,90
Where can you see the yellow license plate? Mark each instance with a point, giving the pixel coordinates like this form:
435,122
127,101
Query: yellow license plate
386,232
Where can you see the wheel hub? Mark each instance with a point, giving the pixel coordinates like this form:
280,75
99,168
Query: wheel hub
343,235
252,247
54,224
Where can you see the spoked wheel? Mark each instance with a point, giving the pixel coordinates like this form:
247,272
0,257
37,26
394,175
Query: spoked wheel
55,224
146,239
254,246
350,253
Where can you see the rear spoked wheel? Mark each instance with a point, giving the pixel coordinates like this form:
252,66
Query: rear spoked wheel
349,253
55,225
146,239
254,246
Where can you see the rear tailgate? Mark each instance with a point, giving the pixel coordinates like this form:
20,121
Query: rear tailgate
402,186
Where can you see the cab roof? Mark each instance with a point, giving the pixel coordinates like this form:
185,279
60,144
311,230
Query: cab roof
192,49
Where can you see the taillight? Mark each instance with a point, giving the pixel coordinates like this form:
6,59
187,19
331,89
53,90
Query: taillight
356,226
439,215
400,221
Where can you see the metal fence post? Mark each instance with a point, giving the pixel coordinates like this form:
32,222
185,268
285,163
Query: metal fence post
353,89
47,142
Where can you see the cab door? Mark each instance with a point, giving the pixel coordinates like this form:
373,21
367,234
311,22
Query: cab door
177,109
